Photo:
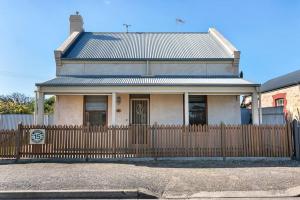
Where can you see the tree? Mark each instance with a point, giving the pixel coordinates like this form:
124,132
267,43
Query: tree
16,103
49,105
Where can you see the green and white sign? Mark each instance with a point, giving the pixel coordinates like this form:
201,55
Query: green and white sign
37,136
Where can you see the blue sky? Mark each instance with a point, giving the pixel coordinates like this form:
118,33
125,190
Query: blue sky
267,32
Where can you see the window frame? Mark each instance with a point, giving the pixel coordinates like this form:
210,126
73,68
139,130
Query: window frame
279,99
205,110
84,110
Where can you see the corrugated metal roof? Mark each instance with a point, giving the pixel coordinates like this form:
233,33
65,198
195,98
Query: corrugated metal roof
145,81
286,80
146,45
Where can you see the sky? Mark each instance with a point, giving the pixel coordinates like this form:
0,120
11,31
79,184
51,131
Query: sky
267,32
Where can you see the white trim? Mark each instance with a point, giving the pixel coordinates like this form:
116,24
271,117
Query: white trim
220,38
186,108
68,42
149,89
113,108
254,107
40,108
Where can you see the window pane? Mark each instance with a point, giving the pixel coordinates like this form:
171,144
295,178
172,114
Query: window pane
97,118
197,109
95,103
279,102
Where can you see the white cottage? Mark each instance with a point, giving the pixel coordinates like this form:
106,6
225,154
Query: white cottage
118,78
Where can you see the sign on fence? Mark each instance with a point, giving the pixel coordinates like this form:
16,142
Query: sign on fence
37,136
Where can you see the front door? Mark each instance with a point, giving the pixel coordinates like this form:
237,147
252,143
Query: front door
139,111
139,120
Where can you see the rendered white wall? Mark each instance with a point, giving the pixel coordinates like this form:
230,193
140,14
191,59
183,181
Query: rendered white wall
224,109
68,110
156,68
166,109
122,117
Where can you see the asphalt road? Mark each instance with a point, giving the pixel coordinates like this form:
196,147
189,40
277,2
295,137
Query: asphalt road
164,178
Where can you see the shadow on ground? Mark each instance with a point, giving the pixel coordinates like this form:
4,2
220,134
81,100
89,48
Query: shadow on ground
214,164
178,163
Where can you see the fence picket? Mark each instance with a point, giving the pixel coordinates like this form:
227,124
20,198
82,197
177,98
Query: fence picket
150,141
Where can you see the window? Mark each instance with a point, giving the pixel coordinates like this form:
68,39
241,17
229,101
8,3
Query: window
197,109
279,102
96,110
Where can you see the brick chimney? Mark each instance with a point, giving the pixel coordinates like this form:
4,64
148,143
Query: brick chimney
76,23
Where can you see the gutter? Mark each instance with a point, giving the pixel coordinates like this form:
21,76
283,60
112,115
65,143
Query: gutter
142,85
147,59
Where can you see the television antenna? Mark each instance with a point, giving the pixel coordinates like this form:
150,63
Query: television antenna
180,21
127,27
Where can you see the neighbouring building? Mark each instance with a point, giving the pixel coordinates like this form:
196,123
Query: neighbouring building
119,78
283,91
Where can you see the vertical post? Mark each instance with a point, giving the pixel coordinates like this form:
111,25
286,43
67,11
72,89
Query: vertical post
186,109
254,106
289,139
296,133
18,140
40,108
154,141
113,128
35,108
113,109
259,109
86,135
223,140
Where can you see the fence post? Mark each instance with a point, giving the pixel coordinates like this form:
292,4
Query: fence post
296,134
154,133
223,140
86,130
289,139
18,141
114,140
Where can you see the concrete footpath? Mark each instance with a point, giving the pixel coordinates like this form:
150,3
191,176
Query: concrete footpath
163,179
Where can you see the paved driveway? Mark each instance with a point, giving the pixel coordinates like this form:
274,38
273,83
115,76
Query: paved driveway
165,178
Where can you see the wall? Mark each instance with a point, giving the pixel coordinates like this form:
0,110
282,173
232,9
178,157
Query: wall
11,121
205,69
223,109
102,69
273,115
68,110
166,108
292,97
122,117
155,68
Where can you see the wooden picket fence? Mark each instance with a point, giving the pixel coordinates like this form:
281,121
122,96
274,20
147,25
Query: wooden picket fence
150,141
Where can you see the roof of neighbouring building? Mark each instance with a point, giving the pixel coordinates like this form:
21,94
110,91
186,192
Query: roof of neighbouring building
286,80
146,46
145,81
